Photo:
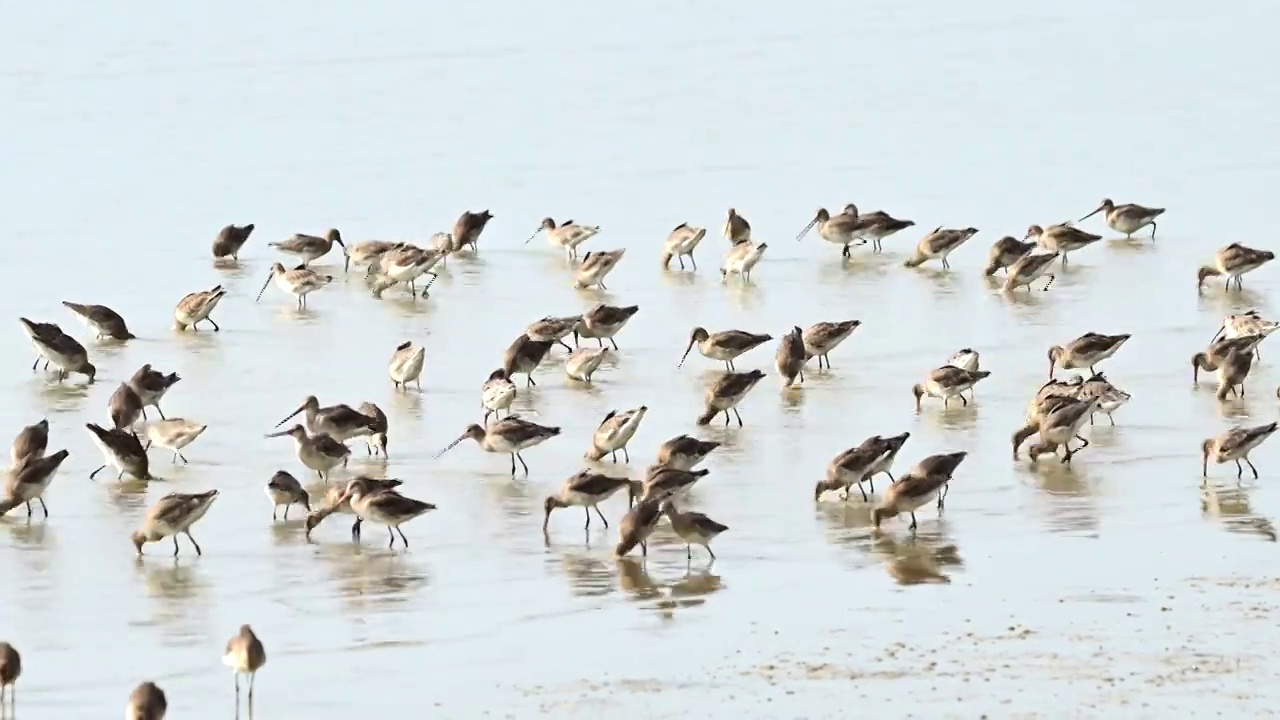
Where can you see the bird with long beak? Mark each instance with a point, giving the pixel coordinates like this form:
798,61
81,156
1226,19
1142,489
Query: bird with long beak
681,243
637,525
309,248
298,282
726,345
843,229
172,515
683,452
509,435
1218,351
859,464
340,422
1128,218
386,507
920,486
1235,445
1085,351
1232,262
947,382
823,337
319,453
614,432
1061,426
335,500
28,480
1062,238
568,235
586,489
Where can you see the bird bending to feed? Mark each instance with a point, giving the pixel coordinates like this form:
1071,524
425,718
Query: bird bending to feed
284,489
1062,425
1128,218
603,322
821,338
584,362
637,525
595,266
320,453
683,452
860,464
920,486
172,515
28,479
124,407
173,434
844,229
1110,397
309,247
568,235
245,655
726,345
1246,323
122,450
1232,372
146,702
105,322
229,240
1044,405
371,502
406,365
509,435
726,393
32,440
1005,252
377,440
1026,270
1085,351
467,229
151,385
1232,262
585,489
336,500
790,357
340,422
740,260
523,356
196,307
878,225
1234,444
553,329
667,482
693,528
966,359
405,264
614,432
1218,351
680,243
736,229
369,252
939,244
1062,238
947,382
59,349
497,394
10,671
298,282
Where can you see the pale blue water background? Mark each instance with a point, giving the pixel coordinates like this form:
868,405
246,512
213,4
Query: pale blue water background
134,133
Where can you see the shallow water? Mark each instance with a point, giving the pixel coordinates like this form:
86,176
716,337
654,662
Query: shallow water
1116,584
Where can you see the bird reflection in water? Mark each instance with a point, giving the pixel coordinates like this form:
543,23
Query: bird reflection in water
690,589
369,578
1230,506
923,558
180,610
1066,498
588,576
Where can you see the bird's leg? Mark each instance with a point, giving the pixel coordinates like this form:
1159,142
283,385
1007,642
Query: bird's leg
252,676
45,508
144,412
275,509
602,519
587,510
738,415
1083,443
611,342
613,456
214,324
392,533
565,345
522,463
530,377
1239,470
695,263
913,520
162,417
1112,419
963,402
626,456
710,551
192,539
174,459
945,401
1153,229
945,265
513,464
644,549
355,529
34,364
175,546
237,676
864,492
95,472
1246,459
727,418
403,539
844,251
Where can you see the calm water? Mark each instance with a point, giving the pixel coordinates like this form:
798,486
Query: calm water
134,136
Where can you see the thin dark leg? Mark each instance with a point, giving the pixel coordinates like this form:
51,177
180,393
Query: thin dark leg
403,539
891,478
613,456
175,546
1153,230
214,324
626,456
565,345
1239,470
45,508
695,262
913,521
710,552
393,537
611,342
963,402
1251,467
871,482
513,464
275,509
727,418
688,551
522,463
192,539
644,549
738,415
587,510
864,492
95,472
355,529
606,522
1083,443
530,376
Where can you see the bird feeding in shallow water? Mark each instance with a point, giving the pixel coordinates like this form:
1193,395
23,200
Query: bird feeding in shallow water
741,260
373,503
860,464
105,322
340,422
284,489
585,489
921,485
726,345
602,322
1128,218
736,229
1235,445
298,282
681,243
122,450
947,382
1232,262
614,432
1062,238
229,240
320,452
497,394
843,229
509,435
821,338
309,248
637,525
172,515
28,480
693,528
939,244
32,440
467,229
59,349
245,655
790,357
553,329
596,266
197,307
683,452
523,356
584,362
151,385
173,434
406,365
1085,351
726,393
1005,252
568,235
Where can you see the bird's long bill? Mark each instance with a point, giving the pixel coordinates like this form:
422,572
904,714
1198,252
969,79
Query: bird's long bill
1095,212
451,445
807,228
546,518
1214,339
264,286
291,416
685,355
535,234
277,434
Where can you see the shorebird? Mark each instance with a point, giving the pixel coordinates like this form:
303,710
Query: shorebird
1232,372
245,655
298,282
726,345
146,702
693,528
124,407
1234,444
172,515
553,329
319,452
585,489
445,245
336,501
947,382
1005,252
105,322
284,489
372,503
28,479
790,357
583,363
196,307
466,231
1110,397
229,240
637,525
1042,407
1246,323
524,356
663,482
844,229
173,434
405,264
821,338
406,365
1061,238
614,432
1128,218
1233,261
603,322
683,452
726,393
60,349
497,393
1026,270
1060,426
1085,351
741,259
861,464
10,671
682,241
877,225
568,235
939,244
369,252
151,385
509,435
30,442
595,266
309,247
920,486
966,359
1218,350
340,422
377,440
736,229
121,450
